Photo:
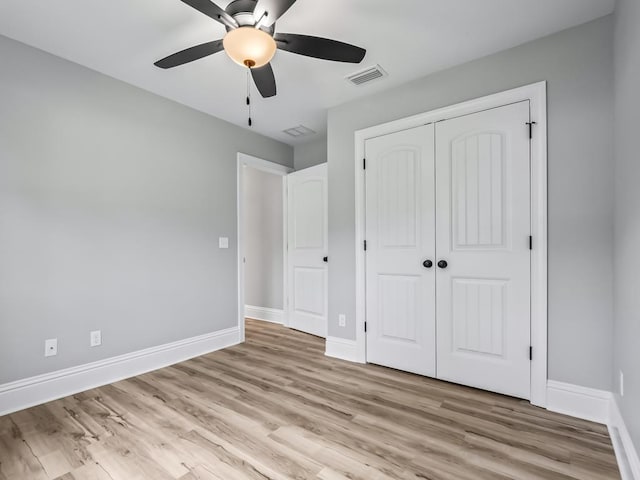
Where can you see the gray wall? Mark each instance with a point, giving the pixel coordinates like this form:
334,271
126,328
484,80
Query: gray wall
111,204
263,242
310,154
627,233
578,65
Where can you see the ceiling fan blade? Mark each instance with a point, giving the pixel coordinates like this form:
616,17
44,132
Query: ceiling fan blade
190,54
318,47
264,80
212,10
274,9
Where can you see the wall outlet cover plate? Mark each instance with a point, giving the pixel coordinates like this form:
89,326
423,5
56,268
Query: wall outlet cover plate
51,347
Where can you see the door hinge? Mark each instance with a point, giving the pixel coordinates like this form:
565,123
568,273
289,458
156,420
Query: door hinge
365,326
364,163
530,242
365,245
530,353
531,124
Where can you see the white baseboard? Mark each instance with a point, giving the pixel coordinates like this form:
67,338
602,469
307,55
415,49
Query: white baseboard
40,389
272,315
341,348
626,453
576,401
597,406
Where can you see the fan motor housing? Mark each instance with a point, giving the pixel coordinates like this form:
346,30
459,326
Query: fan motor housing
242,12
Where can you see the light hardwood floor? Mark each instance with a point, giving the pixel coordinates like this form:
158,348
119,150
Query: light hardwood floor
277,408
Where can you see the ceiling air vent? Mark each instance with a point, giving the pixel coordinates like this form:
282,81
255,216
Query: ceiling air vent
368,75
299,131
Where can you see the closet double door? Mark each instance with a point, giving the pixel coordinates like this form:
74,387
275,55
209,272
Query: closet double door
448,250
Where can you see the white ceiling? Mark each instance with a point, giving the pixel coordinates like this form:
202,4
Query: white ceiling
408,38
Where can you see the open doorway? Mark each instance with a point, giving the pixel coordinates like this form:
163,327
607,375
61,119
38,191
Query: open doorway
262,246
282,245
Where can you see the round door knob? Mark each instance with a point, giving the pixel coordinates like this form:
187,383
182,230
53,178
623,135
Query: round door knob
427,264
442,264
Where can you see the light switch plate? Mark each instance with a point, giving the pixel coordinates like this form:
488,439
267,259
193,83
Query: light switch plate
223,242
96,338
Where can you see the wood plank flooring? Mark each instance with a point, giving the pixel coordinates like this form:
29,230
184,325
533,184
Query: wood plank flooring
277,408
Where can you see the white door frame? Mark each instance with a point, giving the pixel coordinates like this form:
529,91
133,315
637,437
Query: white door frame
536,94
276,169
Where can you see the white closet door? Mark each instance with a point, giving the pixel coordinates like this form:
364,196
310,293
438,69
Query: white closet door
483,228
307,247
400,222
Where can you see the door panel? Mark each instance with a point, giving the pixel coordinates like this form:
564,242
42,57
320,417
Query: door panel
309,196
309,290
477,182
478,316
307,246
400,237
397,299
482,231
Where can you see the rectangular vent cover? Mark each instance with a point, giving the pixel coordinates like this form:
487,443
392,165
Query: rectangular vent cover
367,75
299,131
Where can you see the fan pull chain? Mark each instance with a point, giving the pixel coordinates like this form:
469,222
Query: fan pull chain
250,122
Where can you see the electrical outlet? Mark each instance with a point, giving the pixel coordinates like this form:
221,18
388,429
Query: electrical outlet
223,242
342,320
621,383
96,338
51,347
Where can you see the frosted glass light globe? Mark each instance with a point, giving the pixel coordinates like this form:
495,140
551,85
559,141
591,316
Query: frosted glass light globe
249,47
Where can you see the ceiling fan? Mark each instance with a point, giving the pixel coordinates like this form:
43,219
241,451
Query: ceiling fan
251,40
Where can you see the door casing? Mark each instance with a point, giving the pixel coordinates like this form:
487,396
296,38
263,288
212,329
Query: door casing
536,94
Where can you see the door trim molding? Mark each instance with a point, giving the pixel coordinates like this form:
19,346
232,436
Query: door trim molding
536,94
276,169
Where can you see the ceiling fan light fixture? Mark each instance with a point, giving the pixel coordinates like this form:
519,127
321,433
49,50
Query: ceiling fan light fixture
249,47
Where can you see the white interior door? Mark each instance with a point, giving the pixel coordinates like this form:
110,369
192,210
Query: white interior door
482,230
307,249
400,286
